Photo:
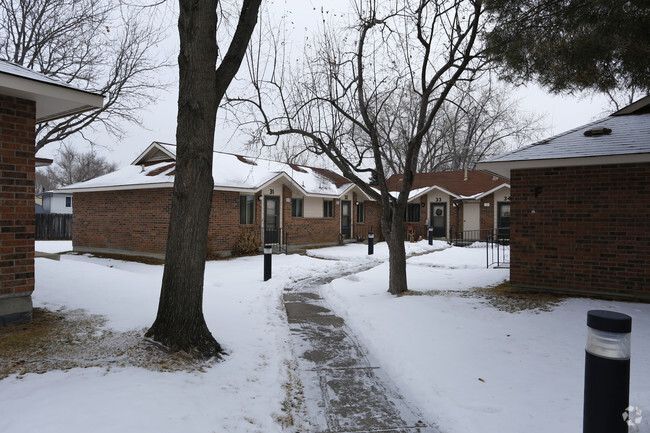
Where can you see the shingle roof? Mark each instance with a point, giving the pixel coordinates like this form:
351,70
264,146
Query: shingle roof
627,135
20,71
453,181
630,135
53,98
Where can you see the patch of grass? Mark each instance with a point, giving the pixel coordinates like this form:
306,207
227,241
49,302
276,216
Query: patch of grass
411,293
503,298
62,340
124,257
293,405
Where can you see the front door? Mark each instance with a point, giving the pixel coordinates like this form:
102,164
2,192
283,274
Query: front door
439,219
346,218
271,220
503,220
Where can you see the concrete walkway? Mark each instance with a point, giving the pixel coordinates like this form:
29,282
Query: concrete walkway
344,391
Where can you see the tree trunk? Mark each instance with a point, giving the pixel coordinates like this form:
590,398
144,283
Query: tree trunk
180,324
393,231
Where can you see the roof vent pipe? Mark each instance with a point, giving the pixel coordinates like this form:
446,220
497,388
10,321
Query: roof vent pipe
465,179
597,132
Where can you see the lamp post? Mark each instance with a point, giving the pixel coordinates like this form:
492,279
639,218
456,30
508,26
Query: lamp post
430,235
607,372
268,253
371,243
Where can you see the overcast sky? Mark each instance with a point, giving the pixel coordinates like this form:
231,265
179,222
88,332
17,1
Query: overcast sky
302,18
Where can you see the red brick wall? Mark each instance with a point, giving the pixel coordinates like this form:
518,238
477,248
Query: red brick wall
310,230
590,232
137,220
456,217
130,220
487,212
17,139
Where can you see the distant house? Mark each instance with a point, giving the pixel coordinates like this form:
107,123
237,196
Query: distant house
580,208
127,211
454,202
26,99
56,202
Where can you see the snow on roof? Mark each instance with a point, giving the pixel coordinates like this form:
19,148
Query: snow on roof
155,168
459,184
622,136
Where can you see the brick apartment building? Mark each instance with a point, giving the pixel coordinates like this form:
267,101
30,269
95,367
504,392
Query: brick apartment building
26,99
580,208
454,202
127,211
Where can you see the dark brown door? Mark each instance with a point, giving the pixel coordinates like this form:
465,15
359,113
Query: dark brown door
503,220
346,218
271,220
439,219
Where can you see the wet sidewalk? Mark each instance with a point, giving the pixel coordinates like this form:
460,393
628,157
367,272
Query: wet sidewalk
344,391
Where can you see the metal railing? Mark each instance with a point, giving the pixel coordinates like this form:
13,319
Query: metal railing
495,241
360,231
275,237
468,238
497,248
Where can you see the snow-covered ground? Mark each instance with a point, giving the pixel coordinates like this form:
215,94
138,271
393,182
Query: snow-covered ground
468,366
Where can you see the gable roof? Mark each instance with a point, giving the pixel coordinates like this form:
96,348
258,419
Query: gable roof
622,137
155,168
471,185
53,98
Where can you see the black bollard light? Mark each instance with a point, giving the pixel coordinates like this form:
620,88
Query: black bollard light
607,372
430,235
268,253
371,244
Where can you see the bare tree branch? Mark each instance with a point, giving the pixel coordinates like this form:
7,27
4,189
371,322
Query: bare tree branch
95,45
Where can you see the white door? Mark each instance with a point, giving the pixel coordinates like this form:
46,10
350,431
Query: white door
471,216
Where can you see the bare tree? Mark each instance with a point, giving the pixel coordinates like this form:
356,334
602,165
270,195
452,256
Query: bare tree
415,51
180,324
72,166
96,45
478,120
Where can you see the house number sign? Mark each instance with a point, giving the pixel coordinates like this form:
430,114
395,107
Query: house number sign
506,198
271,191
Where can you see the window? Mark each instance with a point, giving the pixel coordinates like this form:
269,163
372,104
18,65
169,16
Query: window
360,214
296,207
328,209
412,213
246,209
68,202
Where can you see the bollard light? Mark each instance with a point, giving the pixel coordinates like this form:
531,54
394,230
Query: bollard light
268,253
430,235
371,243
607,372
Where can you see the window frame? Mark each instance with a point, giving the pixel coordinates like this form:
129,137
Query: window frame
294,208
68,202
361,212
328,208
244,202
409,214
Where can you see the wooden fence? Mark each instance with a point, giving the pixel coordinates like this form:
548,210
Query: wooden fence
53,226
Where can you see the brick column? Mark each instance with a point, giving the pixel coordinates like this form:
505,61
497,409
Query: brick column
17,155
